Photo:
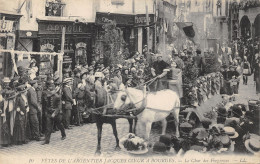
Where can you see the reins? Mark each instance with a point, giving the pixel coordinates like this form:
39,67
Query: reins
149,82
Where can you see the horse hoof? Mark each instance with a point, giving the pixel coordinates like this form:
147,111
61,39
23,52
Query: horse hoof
117,148
98,153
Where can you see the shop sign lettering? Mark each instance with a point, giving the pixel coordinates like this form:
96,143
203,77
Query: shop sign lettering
69,28
56,28
102,18
141,19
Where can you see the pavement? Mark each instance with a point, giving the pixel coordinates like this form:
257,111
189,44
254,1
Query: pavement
82,141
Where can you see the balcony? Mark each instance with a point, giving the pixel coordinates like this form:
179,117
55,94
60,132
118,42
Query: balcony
54,8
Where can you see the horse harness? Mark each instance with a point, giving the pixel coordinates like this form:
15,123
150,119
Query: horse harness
133,109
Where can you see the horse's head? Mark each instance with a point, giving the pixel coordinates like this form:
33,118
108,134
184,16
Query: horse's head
122,100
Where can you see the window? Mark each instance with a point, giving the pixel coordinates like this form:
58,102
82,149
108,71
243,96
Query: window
54,8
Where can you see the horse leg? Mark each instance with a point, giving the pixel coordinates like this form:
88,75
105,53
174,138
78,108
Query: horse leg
130,125
164,125
99,127
135,124
176,121
113,124
148,127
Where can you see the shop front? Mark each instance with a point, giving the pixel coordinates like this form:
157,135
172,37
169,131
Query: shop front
142,25
8,28
124,22
78,41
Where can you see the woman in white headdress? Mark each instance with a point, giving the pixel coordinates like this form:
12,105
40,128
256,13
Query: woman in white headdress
33,69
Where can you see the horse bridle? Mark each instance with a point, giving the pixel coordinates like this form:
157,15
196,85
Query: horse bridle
131,101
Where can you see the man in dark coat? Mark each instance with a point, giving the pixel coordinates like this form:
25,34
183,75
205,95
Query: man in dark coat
158,69
34,108
199,61
67,102
51,101
75,112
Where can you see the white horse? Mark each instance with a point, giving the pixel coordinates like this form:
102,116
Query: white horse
157,106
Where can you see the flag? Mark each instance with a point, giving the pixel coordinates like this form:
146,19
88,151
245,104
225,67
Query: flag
29,9
188,29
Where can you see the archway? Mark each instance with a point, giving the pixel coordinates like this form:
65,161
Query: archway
245,27
257,26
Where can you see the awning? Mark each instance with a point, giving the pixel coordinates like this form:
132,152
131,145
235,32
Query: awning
9,15
64,19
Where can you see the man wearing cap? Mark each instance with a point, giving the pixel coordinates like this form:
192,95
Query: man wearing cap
51,101
67,102
34,109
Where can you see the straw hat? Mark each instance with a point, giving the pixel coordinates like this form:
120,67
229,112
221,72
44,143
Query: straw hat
231,132
252,145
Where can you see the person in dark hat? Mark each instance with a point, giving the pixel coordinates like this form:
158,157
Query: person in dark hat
20,126
75,112
21,71
51,101
222,115
82,97
158,70
249,124
6,96
14,82
40,115
199,61
66,73
67,102
49,80
34,108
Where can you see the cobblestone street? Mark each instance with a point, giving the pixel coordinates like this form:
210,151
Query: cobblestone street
82,141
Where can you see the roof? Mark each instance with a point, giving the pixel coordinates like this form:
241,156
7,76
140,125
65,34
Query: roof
9,12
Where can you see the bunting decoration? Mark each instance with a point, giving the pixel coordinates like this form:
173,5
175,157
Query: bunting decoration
29,57
19,57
